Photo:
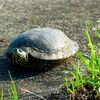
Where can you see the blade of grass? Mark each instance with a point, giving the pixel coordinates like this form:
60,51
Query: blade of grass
93,55
83,59
79,77
2,94
13,88
66,82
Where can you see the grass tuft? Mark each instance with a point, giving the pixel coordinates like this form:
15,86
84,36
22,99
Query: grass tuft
14,95
92,66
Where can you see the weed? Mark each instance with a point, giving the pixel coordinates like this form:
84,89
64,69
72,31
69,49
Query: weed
14,95
92,66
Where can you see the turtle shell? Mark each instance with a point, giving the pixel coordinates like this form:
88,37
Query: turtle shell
44,43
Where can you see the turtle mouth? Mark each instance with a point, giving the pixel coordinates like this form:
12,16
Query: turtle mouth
19,57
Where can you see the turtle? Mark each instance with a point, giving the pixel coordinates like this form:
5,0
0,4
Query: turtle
42,46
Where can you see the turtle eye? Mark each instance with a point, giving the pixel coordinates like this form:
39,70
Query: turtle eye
19,50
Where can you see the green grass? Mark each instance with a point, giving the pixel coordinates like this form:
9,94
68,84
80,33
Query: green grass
91,65
77,82
14,95
12,90
2,94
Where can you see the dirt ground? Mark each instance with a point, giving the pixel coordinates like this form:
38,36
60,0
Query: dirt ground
17,16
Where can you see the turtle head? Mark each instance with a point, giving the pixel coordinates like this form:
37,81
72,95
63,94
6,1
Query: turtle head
19,56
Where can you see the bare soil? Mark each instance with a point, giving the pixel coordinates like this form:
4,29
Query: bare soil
17,16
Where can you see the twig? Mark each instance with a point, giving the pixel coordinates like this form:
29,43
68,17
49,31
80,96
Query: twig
41,97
